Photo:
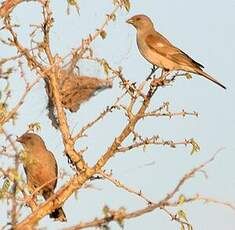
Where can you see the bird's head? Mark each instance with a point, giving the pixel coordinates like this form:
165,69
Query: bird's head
140,21
30,140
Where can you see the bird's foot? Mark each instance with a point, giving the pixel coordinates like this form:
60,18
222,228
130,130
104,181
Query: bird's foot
153,70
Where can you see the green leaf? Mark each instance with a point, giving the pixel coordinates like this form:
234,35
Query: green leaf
196,147
105,66
182,215
181,199
127,5
182,227
35,126
3,109
190,227
188,76
106,210
4,188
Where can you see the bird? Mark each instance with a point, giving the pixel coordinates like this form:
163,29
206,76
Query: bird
160,52
41,169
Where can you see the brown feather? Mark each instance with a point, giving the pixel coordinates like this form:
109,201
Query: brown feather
162,46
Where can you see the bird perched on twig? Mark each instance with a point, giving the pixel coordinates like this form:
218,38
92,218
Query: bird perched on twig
156,49
41,169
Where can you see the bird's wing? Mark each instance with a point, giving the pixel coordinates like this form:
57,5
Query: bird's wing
54,166
163,47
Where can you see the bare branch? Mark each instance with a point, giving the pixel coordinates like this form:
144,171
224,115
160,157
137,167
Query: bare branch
121,185
120,216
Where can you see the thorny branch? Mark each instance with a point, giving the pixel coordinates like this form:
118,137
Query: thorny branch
79,52
121,215
154,141
121,185
11,114
14,214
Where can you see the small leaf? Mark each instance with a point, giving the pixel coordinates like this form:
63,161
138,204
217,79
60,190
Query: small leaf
190,227
105,66
4,188
106,210
188,76
114,17
182,215
196,147
3,109
182,227
103,34
34,126
127,5
181,199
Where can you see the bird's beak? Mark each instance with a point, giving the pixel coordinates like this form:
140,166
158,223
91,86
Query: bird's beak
130,21
19,139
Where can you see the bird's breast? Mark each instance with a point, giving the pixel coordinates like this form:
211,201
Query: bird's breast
148,53
152,56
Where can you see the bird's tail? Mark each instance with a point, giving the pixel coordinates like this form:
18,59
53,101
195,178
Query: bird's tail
206,75
59,215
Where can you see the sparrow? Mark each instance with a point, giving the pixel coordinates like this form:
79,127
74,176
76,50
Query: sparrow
160,52
41,169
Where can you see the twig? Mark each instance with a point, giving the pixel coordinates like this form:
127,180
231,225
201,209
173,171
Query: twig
121,185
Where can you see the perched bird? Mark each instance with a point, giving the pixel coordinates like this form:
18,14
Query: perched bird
41,169
75,89
156,49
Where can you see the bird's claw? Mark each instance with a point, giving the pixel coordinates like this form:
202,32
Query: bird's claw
153,70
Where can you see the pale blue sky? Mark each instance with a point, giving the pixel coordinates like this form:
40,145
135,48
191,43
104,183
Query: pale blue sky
205,31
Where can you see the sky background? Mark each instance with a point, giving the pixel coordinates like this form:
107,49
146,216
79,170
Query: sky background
202,29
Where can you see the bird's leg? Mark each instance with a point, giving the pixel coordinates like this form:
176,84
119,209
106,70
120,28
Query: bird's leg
153,70
174,76
161,80
164,73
